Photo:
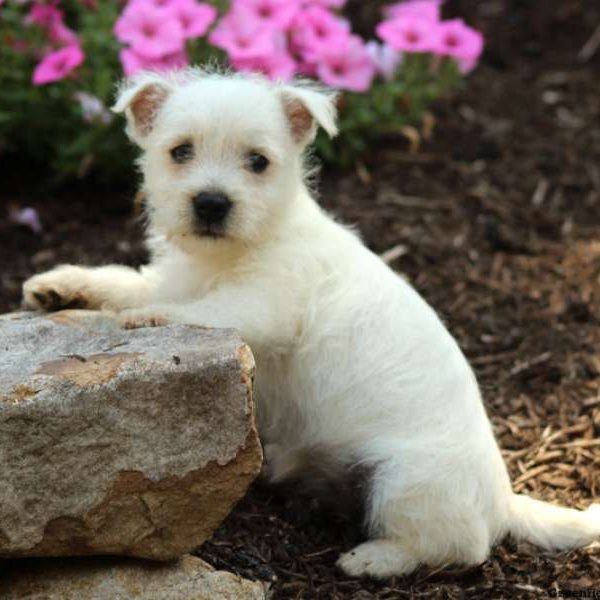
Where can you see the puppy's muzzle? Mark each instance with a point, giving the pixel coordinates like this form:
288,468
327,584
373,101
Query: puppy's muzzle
211,208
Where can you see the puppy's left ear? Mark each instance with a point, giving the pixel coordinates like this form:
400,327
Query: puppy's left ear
306,107
141,99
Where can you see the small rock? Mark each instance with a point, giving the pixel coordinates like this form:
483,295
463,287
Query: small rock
108,579
110,446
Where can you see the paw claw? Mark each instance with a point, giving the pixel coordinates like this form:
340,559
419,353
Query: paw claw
141,321
54,300
41,298
50,299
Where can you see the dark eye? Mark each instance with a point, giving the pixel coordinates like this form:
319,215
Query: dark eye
182,153
257,163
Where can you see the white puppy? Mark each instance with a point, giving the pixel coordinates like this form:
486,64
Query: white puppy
353,367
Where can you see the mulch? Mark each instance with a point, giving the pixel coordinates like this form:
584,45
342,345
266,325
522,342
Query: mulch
496,221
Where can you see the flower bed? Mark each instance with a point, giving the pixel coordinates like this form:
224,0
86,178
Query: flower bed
59,62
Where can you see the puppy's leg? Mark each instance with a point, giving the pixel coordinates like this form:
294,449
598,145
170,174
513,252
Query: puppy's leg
427,525
250,309
391,552
112,287
378,558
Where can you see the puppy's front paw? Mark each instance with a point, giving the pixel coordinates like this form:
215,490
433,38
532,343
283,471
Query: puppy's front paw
134,319
60,288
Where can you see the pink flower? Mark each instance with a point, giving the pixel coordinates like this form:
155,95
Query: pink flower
154,3
177,60
386,59
347,65
50,18
60,34
466,65
273,13
431,10
409,34
243,38
279,66
315,29
458,40
132,62
44,15
325,3
152,32
57,65
195,18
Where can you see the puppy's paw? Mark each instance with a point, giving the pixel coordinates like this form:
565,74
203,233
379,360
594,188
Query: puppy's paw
378,558
63,287
135,319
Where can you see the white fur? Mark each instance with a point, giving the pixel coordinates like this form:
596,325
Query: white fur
350,359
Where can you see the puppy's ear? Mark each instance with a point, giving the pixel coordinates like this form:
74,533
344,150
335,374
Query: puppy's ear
141,99
307,106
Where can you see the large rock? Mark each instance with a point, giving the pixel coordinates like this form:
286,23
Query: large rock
122,442
108,579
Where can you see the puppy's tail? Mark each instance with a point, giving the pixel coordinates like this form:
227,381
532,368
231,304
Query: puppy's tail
553,527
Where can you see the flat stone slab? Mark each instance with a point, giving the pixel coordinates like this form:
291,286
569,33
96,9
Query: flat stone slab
110,579
129,442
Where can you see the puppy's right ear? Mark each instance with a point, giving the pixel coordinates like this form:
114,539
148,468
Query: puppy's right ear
141,99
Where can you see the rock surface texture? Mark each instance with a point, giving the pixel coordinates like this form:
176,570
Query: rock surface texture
133,443
108,579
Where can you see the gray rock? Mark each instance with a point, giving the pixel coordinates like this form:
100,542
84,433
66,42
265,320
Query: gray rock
134,442
111,579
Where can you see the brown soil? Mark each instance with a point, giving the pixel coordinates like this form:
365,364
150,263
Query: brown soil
497,223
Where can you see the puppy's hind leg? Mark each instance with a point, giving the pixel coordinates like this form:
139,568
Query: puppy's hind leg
378,558
416,525
390,552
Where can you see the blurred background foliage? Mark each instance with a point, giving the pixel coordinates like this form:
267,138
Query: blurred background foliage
65,131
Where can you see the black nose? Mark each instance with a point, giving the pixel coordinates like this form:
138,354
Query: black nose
211,207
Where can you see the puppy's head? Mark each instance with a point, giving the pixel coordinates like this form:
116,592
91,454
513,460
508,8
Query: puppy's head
222,154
